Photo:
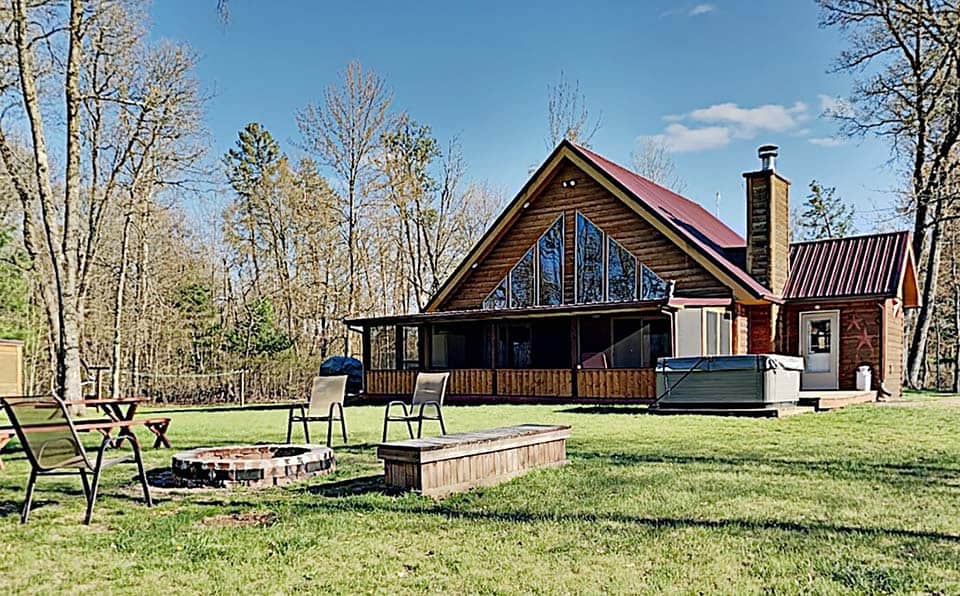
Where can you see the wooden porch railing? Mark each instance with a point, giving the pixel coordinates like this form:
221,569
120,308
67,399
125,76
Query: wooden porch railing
538,382
535,382
391,382
471,381
617,382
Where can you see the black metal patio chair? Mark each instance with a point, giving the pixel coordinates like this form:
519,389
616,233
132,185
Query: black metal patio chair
51,442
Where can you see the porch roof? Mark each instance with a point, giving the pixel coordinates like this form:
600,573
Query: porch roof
564,310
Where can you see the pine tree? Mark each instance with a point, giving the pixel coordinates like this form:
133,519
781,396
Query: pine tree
824,215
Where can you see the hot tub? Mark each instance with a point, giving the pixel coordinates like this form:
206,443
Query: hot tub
753,380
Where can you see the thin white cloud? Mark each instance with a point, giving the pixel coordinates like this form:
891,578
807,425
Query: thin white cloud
680,139
715,126
826,141
700,9
834,106
747,122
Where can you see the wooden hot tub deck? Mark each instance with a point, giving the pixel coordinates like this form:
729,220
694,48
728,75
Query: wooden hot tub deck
834,400
438,466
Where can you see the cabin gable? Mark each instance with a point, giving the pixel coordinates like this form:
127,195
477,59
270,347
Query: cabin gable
553,199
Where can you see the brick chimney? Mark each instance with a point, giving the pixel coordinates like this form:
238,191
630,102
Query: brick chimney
768,222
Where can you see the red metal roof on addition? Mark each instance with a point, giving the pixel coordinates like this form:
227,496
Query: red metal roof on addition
688,218
855,266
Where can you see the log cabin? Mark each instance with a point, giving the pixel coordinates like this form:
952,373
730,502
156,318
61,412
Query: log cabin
592,273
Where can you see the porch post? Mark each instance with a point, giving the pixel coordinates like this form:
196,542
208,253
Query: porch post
492,337
422,347
365,357
574,356
398,347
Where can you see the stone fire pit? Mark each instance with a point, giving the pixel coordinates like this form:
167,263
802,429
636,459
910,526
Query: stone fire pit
251,465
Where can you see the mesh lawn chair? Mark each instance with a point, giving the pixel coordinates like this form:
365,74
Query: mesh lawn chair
326,405
428,393
53,447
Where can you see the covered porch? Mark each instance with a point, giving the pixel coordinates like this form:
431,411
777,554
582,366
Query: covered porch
578,353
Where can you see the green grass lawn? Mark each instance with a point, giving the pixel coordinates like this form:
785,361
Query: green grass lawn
862,500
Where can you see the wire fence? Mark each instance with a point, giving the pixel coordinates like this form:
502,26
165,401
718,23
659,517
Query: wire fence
240,386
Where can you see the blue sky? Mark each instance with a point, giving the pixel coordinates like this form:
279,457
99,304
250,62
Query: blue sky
715,79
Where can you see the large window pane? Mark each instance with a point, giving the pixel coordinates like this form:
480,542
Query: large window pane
621,273
521,282
463,345
654,288
713,333
689,332
589,261
498,297
383,348
656,341
627,343
639,342
411,348
551,265
514,346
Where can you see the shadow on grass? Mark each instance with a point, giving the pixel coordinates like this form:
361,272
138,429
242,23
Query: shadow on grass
629,410
906,473
161,408
654,523
353,448
9,508
362,485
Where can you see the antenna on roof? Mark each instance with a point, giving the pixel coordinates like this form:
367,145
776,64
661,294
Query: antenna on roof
718,205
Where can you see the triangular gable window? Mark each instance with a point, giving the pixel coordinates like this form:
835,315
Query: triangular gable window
537,278
607,272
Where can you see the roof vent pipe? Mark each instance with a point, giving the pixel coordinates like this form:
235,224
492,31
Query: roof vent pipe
768,157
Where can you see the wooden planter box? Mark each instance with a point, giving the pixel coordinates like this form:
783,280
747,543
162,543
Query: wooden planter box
439,466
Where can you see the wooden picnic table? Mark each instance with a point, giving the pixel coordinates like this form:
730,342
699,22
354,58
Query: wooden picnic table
117,409
119,413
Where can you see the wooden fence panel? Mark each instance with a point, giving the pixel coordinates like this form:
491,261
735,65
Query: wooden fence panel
617,382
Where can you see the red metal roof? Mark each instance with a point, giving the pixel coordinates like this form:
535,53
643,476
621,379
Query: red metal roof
856,266
690,220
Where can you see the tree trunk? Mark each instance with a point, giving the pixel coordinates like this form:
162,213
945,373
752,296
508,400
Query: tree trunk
918,343
118,307
956,335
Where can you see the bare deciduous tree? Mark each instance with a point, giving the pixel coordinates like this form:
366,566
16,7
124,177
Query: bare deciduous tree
343,131
119,102
567,114
906,57
425,189
652,159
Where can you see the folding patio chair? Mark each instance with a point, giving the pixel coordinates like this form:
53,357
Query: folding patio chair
53,447
326,405
428,392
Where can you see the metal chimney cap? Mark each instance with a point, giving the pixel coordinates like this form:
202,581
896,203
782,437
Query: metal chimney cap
768,155
768,150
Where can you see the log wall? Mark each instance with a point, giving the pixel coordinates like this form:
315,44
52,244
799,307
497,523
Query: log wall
615,218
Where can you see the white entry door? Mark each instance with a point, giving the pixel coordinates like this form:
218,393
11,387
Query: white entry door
820,348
